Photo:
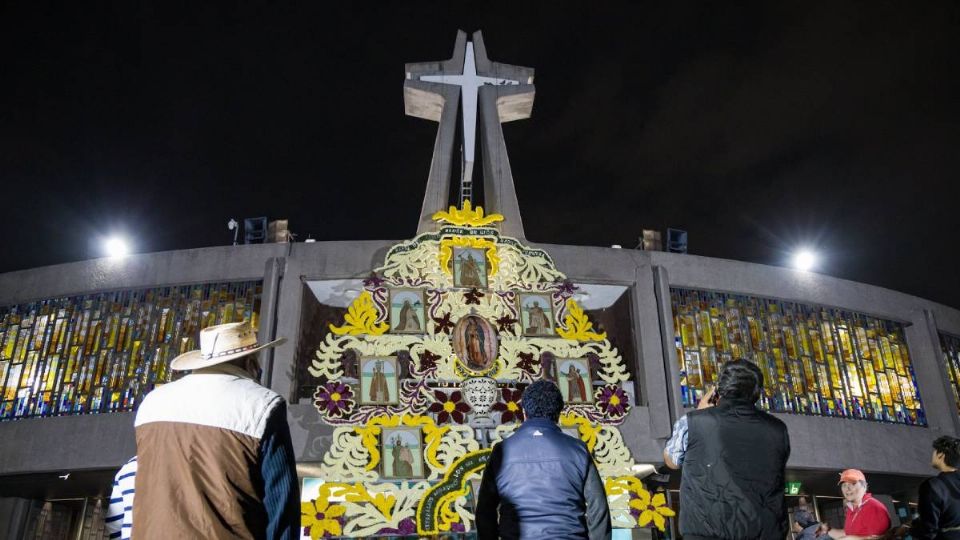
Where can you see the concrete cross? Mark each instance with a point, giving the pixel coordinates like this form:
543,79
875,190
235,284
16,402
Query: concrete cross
490,93
469,83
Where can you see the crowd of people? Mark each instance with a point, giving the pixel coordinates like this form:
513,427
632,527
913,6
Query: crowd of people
215,460
733,458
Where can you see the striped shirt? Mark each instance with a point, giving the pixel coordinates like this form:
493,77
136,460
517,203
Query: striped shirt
119,518
677,445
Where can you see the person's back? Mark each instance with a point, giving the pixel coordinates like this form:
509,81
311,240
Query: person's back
939,505
733,473
215,459
544,484
733,457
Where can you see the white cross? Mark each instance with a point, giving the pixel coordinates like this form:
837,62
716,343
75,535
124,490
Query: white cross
469,83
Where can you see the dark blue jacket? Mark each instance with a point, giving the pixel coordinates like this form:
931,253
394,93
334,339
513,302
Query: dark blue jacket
543,484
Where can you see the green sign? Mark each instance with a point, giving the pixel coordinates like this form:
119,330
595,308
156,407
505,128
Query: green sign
793,488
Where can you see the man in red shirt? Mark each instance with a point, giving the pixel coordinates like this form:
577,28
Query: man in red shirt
866,517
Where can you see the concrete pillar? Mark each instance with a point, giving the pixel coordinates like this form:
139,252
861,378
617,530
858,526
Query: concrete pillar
289,298
272,273
671,364
932,379
648,344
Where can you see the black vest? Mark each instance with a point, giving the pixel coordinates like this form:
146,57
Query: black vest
733,474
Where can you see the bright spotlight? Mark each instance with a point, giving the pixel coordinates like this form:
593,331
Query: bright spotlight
116,247
804,260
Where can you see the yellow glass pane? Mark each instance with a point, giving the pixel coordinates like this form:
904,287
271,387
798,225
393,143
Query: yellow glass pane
884,385
694,377
754,327
870,378
834,371
824,381
12,382
706,330
817,345
846,347
810,374
856,388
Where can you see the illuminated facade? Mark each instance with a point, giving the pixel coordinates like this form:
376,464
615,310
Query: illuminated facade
103,352
815,360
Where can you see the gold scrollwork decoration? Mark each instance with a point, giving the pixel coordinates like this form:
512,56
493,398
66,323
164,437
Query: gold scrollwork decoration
468,216
578,325
361,318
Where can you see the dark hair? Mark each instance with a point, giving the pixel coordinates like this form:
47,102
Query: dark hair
542,399
740,379
950,448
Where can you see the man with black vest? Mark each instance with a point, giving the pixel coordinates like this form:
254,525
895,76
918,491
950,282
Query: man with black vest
733,457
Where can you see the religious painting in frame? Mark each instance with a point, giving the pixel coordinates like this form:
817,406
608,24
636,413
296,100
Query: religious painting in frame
401,453
469,268
407,312
573,378
379,380
475,342
536,314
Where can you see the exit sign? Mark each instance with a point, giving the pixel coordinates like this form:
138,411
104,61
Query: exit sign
793,488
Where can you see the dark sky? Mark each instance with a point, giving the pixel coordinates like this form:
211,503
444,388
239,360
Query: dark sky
756,127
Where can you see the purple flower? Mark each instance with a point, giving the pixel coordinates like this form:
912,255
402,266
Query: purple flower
334,399
510,408
613,401
449,407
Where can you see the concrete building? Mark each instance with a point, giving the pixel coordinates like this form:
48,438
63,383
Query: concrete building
57,458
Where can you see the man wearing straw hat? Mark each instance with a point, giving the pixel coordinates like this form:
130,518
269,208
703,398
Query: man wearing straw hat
213,448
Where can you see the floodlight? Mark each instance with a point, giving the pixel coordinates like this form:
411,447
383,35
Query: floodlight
116,246
804,260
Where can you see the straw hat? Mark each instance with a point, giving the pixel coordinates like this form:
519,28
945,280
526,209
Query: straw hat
222,343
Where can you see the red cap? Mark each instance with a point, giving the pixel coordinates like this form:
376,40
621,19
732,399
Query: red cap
852,475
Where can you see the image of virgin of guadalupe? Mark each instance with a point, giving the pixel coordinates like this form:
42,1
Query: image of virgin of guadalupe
475,342
409,322
474,338
379,390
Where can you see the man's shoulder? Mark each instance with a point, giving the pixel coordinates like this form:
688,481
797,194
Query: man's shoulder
225,401
772,420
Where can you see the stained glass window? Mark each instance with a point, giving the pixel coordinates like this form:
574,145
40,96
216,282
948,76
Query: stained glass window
815,360
103,352
950,345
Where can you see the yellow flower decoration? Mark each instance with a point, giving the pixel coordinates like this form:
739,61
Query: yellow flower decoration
467,216
652,509
578,326
361,318
321,517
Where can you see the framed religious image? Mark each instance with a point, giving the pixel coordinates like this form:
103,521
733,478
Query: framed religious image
378,380
475,342
536,314
469,268
573,378
407,311
401,453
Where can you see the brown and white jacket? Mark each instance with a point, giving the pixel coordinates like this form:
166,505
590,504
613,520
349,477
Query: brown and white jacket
215,460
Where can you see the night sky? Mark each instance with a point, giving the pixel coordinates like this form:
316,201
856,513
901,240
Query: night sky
756,127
